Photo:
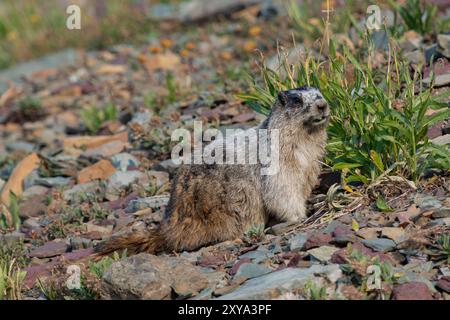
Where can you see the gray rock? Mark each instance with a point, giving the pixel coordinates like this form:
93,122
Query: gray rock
168,165
151,202
32,224
30,180
15,73
20,146
441,213
444,44
35,191
146,276
442,140
121,179
74,194
2,183
77,243
251,270
297,242
415,57
323,254
379,244
50,249
53,182
280,282
439,80
427,202
124,160
380,39
141,118
259,255
12,238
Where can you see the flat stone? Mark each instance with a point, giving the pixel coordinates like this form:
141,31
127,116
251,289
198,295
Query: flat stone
146,276
380,245
428,202
251,270
441,213
98,171
273,284
154,202
444,284
106,150
317,239
32,224
89,188
120,179
50,249
32,207
439,80
442,140
297,242
323,254
412,291
257,256
53,182
12,238
396,234
35,191
124,161
368,233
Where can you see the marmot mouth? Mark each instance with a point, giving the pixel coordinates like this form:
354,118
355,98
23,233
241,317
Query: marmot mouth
320,120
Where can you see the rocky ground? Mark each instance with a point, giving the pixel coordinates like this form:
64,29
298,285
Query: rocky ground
83,175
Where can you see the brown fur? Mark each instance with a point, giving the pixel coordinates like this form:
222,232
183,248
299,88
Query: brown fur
214,203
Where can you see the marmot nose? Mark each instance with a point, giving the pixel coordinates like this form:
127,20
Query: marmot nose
322,106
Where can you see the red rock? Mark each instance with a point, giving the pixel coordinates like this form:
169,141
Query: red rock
78,254
36,272
340,231
238,264
412,291
212,260
317,240
50,249
341,256
444,284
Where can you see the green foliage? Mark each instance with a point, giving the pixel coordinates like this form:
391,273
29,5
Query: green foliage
11,273
418,15
30,105
382,205
256,232
316,292
94,117
171,88
13,210
368,133
100,267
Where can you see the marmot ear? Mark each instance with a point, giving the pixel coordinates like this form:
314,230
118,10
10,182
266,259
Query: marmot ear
282,97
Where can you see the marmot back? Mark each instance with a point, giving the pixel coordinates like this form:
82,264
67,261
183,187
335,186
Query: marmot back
210,203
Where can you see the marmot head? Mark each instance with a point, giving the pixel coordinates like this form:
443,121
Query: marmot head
303,107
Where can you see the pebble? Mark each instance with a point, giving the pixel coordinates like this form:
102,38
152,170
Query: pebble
123,161
251,270
380,245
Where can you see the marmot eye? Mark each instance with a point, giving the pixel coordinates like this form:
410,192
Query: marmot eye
296,100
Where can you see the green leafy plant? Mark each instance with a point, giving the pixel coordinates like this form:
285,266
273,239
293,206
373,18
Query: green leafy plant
379,117
417,15
11,273
13,210
100,267
382,205
94,117
315,292
255,232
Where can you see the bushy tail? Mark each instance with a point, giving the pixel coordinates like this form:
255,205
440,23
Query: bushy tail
150,241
